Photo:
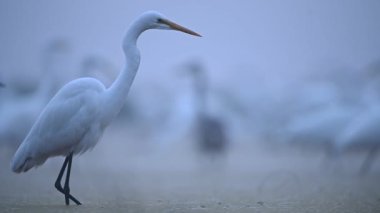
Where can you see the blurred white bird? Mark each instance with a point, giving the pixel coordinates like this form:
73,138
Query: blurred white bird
74,120
319,120
19,111
320,127
98,67
316,110
341,122
210,129
363,130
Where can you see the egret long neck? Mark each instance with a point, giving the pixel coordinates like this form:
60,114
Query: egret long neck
118,91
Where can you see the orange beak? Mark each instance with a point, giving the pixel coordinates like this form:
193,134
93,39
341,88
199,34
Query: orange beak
178,27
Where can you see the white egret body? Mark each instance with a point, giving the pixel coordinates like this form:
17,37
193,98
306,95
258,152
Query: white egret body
74,120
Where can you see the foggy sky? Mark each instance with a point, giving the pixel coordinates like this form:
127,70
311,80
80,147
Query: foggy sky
243,40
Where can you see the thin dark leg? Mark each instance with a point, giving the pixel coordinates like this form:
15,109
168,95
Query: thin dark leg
59,178
66,189
368,161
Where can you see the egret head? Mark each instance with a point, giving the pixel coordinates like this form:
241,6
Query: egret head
155,20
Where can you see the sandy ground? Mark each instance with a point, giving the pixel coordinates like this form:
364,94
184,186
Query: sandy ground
134,176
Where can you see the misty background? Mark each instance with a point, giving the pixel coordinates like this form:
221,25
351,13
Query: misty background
279,73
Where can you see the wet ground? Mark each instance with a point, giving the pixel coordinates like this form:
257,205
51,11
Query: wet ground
125,176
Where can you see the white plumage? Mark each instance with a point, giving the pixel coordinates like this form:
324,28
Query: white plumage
362,132
69,123
75,118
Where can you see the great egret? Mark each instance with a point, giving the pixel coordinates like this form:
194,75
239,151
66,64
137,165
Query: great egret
319,127
99,67
74,120
362,132
210,129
